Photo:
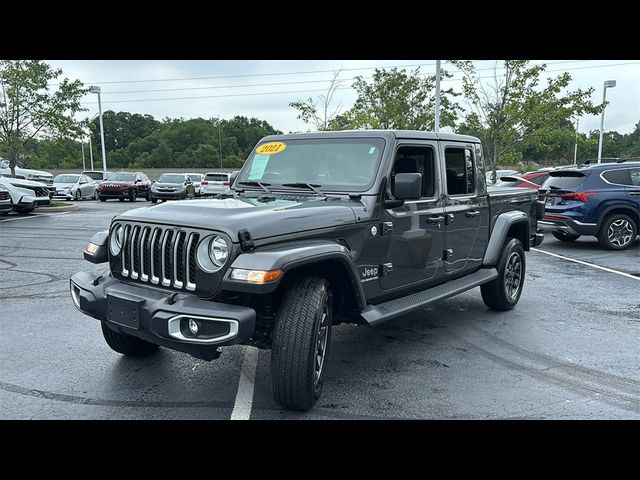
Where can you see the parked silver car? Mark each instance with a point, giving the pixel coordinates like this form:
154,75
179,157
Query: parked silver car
72,186
196,178
215,183
25,194
27,173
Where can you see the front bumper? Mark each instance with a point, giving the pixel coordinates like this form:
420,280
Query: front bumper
567,225
114,194
29,201
156,313
167,195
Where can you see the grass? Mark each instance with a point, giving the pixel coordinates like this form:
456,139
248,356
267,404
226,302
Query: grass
55,203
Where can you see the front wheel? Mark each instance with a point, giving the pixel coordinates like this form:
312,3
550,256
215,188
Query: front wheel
102,199
126,344
24,210
504,292
301,343
132,195
565,237
618,232
78,195
154,200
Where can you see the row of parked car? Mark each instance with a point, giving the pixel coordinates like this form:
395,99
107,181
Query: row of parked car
600,200
29,189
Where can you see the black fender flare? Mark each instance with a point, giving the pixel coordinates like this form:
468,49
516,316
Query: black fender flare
501,227
289,257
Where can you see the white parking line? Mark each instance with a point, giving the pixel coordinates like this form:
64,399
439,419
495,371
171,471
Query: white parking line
35,215
244,397
593,265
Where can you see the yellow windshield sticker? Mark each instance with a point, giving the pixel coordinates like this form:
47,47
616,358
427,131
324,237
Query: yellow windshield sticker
271,148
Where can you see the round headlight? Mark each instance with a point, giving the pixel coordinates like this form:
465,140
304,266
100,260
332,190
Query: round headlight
218,251
212,253
115,243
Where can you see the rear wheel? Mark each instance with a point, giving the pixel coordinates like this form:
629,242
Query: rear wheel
301,343
147,197
102,199
95,195
618,232
504,292
154,200
126,344
121,199
565,237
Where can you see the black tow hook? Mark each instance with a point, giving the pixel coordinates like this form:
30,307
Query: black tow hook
96,280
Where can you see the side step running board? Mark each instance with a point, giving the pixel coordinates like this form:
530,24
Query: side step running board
374,314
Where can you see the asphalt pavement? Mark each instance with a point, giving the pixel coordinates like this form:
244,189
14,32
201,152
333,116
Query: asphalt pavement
568,350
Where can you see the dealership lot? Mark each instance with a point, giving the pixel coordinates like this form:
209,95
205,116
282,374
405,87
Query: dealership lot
568,350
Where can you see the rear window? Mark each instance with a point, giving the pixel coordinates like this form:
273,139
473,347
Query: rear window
94,175
564,180
217,177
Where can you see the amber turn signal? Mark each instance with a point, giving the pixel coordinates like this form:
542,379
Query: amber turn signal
255,276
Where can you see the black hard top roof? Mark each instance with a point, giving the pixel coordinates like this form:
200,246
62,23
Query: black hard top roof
386,134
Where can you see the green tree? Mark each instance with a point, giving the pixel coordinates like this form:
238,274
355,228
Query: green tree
122,128
30,110
399,100
514,108
320,113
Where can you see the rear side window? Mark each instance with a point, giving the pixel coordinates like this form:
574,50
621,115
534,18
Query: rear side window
217,177
460,171
619,176
564,180
635,177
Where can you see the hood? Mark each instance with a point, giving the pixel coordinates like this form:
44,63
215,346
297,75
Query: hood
63,185
262,219
168,185
20,181
118,183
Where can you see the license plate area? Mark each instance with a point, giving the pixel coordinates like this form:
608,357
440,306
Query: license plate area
124,310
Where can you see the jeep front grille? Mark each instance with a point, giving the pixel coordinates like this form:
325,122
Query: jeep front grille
160,256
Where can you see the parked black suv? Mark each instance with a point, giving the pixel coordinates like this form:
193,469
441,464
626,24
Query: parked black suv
320,228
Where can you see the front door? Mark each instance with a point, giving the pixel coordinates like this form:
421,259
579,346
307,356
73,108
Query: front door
413,234
465,209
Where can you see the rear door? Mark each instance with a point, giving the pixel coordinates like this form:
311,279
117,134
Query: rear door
465,207
633,191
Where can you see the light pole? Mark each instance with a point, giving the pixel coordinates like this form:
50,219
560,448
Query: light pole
437,122
90,151
95,89
607,84
220,138
575,151
84,167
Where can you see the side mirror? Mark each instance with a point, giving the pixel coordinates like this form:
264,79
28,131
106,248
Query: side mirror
232,177
407,186
137,180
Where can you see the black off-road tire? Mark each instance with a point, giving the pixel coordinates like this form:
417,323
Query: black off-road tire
617,218
495,294
126,344
294,353
565,237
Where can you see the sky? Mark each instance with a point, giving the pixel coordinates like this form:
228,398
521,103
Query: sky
264,88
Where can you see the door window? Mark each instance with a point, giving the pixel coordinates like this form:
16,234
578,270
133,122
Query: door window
412,159
460,171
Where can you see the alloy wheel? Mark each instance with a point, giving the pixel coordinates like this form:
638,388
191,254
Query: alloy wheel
513,275
620,232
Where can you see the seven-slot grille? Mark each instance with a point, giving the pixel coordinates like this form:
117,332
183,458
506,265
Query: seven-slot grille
160,256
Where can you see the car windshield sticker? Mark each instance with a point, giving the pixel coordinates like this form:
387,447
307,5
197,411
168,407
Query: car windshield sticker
258,166
271,148
372,150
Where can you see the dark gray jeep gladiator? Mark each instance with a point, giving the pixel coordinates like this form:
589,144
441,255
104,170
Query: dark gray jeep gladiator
319,229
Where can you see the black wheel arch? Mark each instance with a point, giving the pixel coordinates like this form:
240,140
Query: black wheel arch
621,209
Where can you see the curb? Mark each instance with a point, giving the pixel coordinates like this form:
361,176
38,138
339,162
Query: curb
66,208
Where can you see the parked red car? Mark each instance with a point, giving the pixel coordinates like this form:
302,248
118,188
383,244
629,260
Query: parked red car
527,180
122,185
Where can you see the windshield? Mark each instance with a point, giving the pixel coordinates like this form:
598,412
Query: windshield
194,177
335,164
66,179
169,178
122,177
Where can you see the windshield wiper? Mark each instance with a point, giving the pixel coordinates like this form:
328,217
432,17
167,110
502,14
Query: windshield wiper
256,184
310,186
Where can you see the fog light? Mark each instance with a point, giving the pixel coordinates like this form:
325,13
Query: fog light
193,326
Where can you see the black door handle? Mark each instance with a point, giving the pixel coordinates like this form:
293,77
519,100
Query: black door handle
472,214
435,219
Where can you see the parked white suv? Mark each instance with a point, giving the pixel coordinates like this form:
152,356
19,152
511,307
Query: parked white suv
215,183
25,194
27,173
5,200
